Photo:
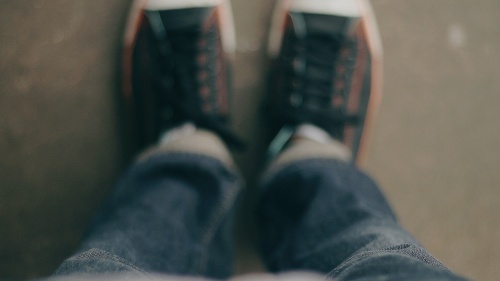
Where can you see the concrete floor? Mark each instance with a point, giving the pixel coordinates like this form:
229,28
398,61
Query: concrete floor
434,150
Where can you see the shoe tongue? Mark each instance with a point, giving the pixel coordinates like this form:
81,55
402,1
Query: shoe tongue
330,25
185,18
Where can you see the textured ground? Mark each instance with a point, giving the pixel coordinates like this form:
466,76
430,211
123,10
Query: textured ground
434,150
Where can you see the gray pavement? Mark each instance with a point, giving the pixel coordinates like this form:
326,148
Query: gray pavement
434,149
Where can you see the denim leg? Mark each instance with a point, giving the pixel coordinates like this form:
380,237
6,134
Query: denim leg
325,215
171,213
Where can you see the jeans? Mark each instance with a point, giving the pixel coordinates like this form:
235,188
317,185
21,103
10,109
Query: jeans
173,214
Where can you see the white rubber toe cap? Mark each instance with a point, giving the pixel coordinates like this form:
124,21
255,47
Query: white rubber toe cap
155,5
345,8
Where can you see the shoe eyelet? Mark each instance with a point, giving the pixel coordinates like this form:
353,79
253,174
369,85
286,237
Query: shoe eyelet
166,113
296,99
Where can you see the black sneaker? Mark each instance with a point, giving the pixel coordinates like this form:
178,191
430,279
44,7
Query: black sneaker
177,67
326,70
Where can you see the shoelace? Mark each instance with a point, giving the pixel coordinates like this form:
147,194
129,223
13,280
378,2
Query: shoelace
312,61
179,67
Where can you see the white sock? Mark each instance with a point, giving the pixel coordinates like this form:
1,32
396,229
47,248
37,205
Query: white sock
176,133
311,142
312,132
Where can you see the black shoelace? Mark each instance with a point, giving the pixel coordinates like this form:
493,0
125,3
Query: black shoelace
178,78
312,61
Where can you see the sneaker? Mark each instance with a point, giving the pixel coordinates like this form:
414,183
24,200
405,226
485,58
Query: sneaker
326,70
177,67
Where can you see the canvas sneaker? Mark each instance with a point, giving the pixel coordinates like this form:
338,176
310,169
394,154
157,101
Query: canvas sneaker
326,70
177,67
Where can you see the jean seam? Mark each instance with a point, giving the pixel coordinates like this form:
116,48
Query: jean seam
356,257
217,219
95,253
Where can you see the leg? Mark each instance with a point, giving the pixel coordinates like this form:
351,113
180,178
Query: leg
171,213
325,215
318,211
